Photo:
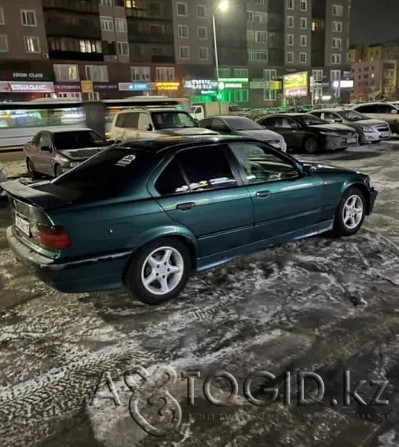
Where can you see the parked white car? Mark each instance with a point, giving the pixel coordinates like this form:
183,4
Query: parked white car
381,111
3,178
150,123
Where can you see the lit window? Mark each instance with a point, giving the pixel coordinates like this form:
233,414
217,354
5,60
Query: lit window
32,44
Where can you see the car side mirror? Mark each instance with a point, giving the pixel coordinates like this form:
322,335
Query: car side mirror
46,148
309,170
150,128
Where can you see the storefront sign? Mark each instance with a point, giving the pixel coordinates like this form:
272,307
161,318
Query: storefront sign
167,86
87,86
258,85
67,87
343,84
232,83
136,86
26,75
26,87
295,84
200,84
101,86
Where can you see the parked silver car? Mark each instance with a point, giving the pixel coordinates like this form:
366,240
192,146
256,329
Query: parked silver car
53,152
369,130
240,125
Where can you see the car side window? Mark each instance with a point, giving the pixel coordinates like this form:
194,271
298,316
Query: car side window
367,109
328,116
385,108
144,121
206,168
262,166
45,140
120,120
171,181
220,126
96,139
207,123
286,123
131,120
269,122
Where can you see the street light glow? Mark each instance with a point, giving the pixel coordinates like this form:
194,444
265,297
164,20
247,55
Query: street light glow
224,5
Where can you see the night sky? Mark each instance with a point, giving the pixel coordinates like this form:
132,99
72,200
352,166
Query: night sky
374,21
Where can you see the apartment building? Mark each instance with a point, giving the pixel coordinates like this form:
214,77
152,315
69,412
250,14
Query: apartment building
111,48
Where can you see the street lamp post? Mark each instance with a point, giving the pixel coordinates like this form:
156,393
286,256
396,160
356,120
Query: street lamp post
223,6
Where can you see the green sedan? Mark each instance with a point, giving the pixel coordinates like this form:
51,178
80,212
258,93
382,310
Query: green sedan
144,215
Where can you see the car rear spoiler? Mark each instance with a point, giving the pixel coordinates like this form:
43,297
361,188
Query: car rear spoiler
29,194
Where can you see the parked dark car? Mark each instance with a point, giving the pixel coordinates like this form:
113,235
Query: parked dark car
369,130
144,215
306,132
53,152
240,125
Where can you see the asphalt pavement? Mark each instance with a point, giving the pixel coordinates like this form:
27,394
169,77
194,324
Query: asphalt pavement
321,306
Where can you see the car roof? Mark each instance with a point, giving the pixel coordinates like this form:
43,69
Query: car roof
280,115
228,117
66,130
332,109
150,109
174,142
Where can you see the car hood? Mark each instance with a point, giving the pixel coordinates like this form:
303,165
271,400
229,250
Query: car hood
371,122
339,128
81,154
322,168
261,134
188,131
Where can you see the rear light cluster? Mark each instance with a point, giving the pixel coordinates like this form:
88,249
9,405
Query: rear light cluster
55,238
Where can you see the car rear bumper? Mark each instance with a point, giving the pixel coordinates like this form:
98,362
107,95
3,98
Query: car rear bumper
84,275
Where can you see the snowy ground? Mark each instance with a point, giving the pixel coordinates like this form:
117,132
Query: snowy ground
321,305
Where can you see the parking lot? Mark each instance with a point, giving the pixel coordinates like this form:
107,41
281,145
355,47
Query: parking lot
320,305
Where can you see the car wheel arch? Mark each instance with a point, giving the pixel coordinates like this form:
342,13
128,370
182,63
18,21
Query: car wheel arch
362,187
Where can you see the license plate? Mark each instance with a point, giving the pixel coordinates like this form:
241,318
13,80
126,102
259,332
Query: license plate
22,225
385,134
351,140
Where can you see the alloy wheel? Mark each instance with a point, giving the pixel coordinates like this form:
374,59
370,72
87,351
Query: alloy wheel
162,270
353,210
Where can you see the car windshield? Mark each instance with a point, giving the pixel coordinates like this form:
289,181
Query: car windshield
107,172
310,120
352,115
78,140
243,124
172,120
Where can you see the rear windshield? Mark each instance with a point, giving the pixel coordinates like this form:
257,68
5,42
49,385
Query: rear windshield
78,140
107,173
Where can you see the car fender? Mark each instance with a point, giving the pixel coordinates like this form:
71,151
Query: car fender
177,231
356,183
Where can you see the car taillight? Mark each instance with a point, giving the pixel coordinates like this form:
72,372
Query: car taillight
55,238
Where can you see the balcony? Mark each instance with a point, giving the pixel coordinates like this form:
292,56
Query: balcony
86,7
148,14
149,37
58,27
75,55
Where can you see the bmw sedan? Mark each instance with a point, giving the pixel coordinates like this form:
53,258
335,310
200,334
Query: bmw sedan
146,214
53,152
239,125
305,132
369,130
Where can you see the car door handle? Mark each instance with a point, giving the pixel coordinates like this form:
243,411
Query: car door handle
263,194
185,206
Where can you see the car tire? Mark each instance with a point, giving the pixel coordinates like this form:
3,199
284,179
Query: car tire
57,171
31,169
350,214
310,145
156,260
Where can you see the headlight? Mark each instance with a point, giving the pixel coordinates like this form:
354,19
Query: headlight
63,160
367,129
330,134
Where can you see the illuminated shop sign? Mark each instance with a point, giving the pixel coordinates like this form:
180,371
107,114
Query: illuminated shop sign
167,86
27,87
295,84
232,83
200,84
136,86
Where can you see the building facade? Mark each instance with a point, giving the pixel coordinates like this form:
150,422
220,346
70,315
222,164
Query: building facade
93,49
